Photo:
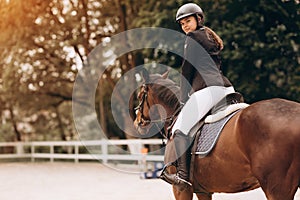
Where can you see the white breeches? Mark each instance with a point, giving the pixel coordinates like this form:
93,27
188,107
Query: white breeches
198,106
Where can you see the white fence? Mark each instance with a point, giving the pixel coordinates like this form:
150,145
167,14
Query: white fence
31,150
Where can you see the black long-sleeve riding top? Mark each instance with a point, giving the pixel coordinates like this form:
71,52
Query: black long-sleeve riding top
201,66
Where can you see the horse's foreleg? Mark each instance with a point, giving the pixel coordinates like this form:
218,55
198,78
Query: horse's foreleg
186,194
203,196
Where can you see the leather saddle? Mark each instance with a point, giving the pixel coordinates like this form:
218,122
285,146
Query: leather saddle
229,99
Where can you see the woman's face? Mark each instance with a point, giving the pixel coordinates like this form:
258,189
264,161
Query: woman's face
188,24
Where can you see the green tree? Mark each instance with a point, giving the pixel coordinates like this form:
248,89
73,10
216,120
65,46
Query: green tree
39,69
42,59
261,54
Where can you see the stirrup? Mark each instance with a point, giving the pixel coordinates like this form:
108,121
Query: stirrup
179,181
174,179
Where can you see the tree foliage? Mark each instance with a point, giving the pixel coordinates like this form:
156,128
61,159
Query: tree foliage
262,47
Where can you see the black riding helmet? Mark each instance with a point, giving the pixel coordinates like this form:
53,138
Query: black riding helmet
188,10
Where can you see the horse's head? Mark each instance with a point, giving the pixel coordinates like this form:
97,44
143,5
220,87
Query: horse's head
157,101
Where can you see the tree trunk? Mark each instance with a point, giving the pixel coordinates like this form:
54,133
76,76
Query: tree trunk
103,121
128,63
14,123
60,125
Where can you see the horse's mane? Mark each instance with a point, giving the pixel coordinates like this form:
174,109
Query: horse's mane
166,90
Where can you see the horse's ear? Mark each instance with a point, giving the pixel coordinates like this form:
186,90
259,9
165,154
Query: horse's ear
145,75
165,75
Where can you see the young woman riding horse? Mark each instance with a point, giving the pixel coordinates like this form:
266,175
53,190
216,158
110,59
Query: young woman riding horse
258,147
202,85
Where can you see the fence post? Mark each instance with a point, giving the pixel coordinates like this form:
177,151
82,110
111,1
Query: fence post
143,163
19,148
76,153
32,152
104,151
142,155
51,153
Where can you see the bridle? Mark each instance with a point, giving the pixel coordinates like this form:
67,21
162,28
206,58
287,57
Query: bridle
140,108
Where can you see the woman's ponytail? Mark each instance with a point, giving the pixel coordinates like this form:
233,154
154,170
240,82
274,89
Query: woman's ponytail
215,37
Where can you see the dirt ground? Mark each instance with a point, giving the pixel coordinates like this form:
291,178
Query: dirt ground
87,181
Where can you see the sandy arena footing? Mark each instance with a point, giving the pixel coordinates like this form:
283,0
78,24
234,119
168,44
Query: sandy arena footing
88,181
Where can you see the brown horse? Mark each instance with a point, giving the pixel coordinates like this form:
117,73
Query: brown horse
258,147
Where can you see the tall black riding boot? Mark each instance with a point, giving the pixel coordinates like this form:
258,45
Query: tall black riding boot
182,146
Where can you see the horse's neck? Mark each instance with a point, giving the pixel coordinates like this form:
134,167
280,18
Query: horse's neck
169,111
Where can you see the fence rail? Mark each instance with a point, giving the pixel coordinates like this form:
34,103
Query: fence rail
31,150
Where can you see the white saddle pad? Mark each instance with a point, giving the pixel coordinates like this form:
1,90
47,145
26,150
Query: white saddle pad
223,113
